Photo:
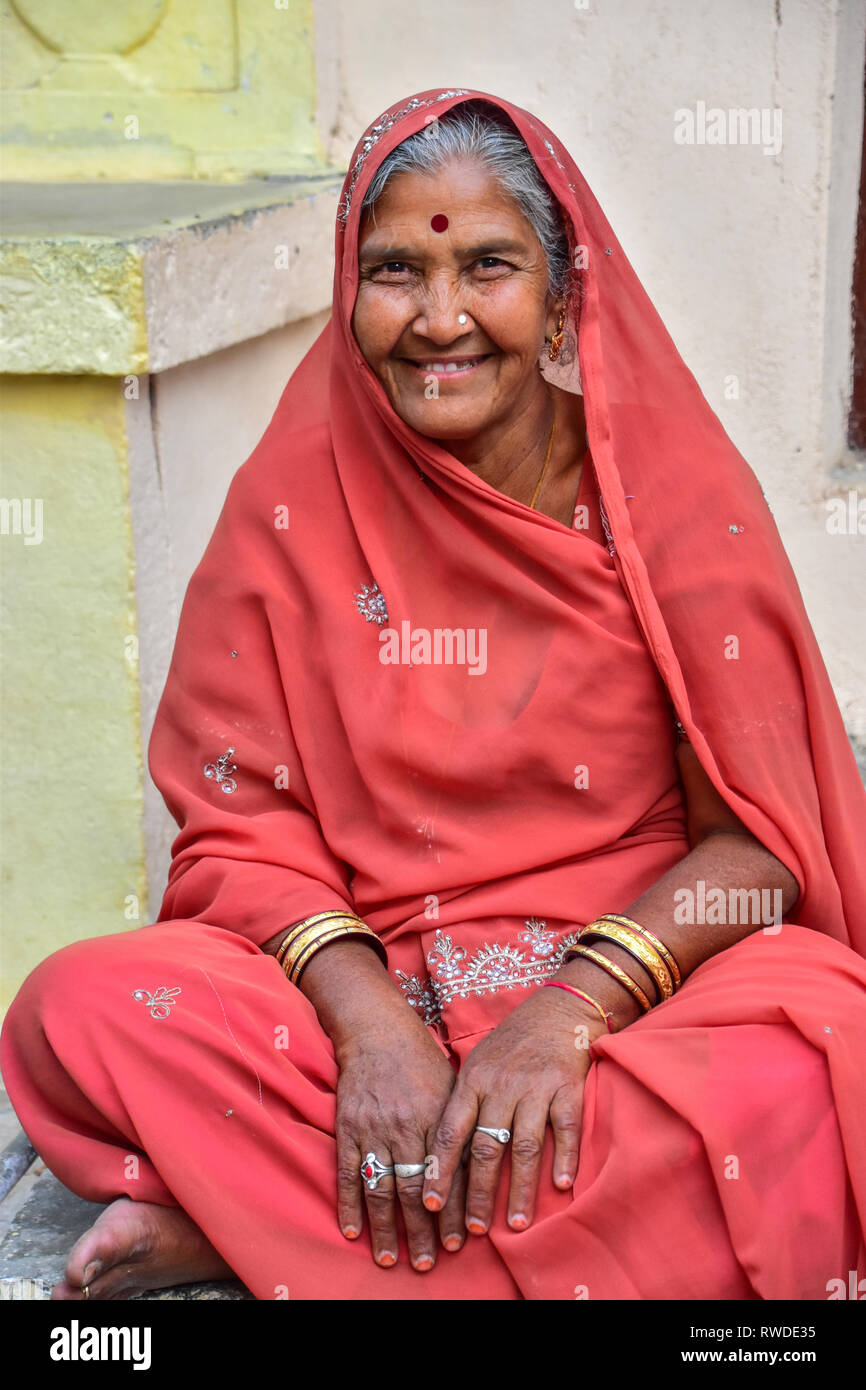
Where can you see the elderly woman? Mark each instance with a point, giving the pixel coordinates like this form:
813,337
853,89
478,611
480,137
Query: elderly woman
510,946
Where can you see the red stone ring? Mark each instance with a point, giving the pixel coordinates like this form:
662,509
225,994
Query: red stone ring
372,1170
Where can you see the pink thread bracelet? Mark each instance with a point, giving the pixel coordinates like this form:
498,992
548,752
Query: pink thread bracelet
557,984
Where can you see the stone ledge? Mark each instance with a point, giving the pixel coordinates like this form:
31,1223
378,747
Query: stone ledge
118,279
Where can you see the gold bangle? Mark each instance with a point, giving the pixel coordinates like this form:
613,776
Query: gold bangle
311,924
303,959
294,931
308,935
612,969
640,950
666,954
309,949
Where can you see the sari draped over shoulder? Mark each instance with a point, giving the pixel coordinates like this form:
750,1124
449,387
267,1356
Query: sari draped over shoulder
399,692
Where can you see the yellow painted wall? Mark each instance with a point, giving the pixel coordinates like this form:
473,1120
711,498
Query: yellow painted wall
120,91
157,89
70,759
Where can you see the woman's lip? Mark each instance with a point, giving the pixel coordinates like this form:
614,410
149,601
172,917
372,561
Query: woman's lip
439,366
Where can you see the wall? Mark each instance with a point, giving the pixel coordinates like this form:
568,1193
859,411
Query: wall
73,847
151,89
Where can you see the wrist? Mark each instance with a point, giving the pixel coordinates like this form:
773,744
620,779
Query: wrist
612,997
351,991
576,1013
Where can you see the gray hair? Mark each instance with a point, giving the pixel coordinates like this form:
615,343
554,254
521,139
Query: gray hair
469,132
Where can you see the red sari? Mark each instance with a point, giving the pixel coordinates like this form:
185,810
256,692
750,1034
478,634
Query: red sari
473,817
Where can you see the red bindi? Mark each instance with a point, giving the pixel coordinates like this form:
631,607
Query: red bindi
439,223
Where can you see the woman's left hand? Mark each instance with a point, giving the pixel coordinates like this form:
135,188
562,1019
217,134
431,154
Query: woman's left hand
530,1070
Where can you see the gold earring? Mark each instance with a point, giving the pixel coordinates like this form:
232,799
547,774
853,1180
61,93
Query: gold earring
556,341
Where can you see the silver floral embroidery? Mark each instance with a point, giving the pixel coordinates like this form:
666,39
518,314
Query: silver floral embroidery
606,526
371,603
421,996
446,958
556,158
384,123
221,771
160,1002
489,970
540,936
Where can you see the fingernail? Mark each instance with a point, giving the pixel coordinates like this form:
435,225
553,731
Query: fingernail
91,1271
563,1180
386,1259
477,1227
351,1232
452,1242
433,1202
424,1262
519,1221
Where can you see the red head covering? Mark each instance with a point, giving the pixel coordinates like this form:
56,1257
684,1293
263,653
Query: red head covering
695,549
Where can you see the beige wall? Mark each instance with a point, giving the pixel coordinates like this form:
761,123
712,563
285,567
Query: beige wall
189,431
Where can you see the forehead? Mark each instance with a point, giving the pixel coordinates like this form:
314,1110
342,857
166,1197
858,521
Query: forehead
465,191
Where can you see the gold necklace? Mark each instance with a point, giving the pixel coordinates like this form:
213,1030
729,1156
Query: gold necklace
538,485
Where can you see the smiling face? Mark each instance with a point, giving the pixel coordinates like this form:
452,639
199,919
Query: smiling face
414,282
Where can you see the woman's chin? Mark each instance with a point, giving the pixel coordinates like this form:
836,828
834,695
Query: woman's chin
437,419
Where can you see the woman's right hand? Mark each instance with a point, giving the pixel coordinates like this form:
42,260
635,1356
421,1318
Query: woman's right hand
393,1086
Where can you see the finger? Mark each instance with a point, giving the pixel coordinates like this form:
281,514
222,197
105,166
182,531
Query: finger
485,1165
452,1132
350,1202
420,1227
381,1203
527,1144
452,1217
566,1116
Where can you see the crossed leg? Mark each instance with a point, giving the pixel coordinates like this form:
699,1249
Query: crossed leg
175,1066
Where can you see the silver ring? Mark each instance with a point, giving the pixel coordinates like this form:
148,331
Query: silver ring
501,1135
409,1170
372,1171
461,319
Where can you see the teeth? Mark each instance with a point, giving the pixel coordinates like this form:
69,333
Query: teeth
449,366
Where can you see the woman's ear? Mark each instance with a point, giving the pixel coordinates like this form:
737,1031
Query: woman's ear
555,310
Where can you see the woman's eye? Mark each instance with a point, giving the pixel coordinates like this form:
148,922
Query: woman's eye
491,263
391,268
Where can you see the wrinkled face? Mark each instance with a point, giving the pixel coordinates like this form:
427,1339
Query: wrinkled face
446,379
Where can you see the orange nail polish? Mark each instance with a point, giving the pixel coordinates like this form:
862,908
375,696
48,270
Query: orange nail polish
452,1243
477,1228
424,1263
387,1259
519,1222
432,1202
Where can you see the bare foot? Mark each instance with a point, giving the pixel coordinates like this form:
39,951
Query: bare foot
134,1246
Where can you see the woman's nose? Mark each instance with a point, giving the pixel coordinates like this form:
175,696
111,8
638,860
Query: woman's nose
443,319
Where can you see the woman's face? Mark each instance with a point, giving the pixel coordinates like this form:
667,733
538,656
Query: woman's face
414,281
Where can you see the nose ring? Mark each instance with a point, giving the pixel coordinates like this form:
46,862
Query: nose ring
461,319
